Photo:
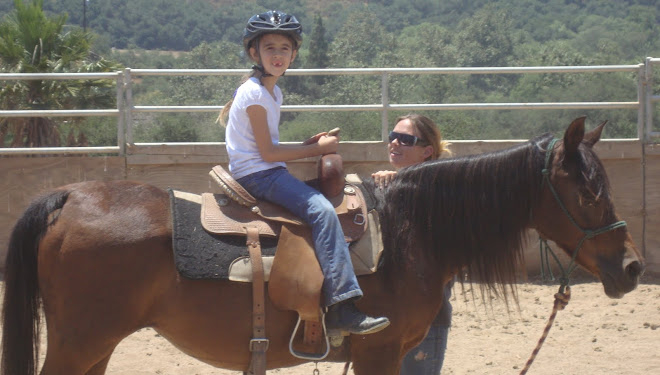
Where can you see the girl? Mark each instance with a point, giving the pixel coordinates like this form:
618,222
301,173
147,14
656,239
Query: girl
256,160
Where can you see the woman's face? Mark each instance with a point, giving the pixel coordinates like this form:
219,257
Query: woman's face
404,156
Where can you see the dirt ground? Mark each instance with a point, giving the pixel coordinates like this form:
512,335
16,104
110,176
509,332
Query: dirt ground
593,335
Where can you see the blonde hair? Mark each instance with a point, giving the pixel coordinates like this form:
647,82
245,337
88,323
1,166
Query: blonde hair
428,133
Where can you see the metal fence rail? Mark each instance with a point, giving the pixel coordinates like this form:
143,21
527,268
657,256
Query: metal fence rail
125,107
121,138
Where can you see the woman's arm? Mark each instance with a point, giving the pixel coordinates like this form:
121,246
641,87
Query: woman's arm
272,153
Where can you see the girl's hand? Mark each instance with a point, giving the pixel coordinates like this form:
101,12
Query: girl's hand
328,144
314,139
383,178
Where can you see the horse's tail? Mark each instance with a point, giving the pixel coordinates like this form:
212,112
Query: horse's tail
21,305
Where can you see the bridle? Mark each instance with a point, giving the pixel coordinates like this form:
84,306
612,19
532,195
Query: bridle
588,233
564,295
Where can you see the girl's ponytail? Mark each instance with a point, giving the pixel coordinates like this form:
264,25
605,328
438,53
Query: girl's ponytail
224,114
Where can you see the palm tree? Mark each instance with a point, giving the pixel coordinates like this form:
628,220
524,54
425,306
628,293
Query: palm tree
31,42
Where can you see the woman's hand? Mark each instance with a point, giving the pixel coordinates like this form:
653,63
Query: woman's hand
383,178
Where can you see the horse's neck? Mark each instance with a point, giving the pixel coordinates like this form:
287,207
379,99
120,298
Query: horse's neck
421,292
423,279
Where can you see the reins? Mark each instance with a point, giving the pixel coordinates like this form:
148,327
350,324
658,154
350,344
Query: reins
564,294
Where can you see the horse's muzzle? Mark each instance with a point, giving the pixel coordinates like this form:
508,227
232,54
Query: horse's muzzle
619,282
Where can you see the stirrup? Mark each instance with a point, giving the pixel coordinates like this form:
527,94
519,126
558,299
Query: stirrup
310,356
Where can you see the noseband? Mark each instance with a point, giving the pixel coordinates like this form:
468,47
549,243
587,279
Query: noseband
588,233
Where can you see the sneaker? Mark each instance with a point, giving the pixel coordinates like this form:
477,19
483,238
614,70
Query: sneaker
345,317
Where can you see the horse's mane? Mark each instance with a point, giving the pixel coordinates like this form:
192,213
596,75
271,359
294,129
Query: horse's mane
470,210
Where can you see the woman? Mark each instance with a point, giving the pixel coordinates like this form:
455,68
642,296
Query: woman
416,139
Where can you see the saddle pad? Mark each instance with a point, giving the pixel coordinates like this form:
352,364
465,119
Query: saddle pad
199,254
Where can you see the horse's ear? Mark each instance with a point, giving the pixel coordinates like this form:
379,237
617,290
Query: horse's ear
573,136
594,136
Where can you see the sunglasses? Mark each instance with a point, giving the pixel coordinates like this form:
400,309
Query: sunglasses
405,139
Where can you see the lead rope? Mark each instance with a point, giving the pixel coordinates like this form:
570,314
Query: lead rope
561,300
564,295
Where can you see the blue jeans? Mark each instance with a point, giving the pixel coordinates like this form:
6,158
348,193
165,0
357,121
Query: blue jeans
427,357
278,186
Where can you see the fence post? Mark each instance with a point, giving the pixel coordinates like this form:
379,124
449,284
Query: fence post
641,99
128,107
386,105
648,102
648,120
121,135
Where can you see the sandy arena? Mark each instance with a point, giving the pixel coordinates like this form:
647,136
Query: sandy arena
593,335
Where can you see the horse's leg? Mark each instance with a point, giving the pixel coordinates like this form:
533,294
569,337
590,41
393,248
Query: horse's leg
85,321
100,367
65,358
376,365
52,366
384,361
89,311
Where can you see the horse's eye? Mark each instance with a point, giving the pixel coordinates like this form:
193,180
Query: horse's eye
588,198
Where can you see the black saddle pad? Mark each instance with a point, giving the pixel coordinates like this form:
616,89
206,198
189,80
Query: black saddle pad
202,255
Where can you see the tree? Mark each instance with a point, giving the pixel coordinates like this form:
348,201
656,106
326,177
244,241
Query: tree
486,39
424,45
31,42
318,46
317,58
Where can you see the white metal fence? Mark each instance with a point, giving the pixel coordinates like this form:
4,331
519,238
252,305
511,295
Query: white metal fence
644,103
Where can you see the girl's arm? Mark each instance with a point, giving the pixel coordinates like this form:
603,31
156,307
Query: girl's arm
272,153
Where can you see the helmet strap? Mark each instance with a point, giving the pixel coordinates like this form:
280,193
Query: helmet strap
258,67
261,70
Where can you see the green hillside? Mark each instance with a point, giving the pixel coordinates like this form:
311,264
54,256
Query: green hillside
628,28
381,33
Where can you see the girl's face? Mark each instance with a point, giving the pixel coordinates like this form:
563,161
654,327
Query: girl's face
404,156
275,53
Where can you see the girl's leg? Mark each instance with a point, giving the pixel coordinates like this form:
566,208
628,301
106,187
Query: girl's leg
340,285
280,187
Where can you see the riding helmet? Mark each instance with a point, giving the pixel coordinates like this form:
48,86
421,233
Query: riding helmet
272,21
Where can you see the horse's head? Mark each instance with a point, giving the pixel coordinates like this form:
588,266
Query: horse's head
576,212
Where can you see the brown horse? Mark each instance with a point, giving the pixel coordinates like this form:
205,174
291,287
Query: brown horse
98,257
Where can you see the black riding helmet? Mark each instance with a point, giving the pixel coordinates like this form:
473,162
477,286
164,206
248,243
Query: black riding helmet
272,21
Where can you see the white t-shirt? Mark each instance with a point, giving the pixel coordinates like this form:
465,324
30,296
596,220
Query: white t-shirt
244,156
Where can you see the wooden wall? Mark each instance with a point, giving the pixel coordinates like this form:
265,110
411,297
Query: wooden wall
633,168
